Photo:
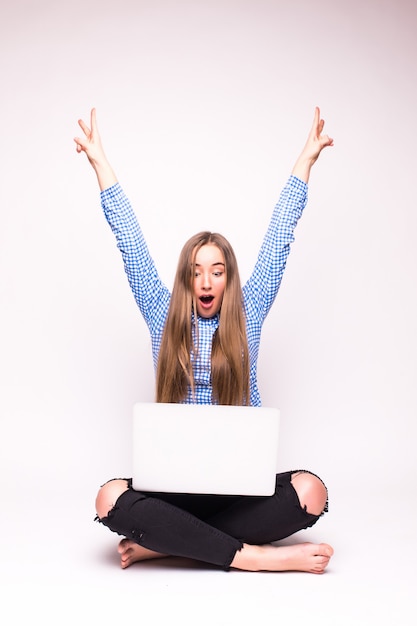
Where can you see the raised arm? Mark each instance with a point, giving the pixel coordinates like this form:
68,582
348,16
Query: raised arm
92,146
315,143
262,287
151,295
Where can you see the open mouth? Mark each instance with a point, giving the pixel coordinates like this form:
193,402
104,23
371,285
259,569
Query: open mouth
206,300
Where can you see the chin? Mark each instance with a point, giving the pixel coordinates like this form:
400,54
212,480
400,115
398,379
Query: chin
207,314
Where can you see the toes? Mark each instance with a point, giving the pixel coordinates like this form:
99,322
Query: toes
321,562
327,550
126,559
323,549
123,545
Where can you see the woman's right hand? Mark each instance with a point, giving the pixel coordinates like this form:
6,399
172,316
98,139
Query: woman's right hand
316,141
92,146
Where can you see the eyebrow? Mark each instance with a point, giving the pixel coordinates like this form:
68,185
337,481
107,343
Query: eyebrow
212,265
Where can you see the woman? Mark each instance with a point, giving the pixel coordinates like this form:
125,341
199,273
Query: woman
205,343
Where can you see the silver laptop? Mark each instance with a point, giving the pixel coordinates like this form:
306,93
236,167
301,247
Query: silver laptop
207,449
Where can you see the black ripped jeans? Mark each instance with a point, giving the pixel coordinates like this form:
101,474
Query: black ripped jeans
205,527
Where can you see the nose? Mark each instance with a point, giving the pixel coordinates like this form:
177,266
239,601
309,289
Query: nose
206,282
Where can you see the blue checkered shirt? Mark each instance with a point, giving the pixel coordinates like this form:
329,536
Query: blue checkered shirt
259,292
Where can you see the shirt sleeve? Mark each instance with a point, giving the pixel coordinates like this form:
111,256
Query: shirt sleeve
262,286
151,295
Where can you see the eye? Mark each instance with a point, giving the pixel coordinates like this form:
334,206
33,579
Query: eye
218,273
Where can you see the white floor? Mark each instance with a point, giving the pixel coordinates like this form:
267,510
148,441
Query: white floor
58,567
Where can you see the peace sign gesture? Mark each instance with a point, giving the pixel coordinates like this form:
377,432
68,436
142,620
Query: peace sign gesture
92,146
315,143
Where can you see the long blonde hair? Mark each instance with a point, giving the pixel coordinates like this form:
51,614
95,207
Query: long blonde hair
229,353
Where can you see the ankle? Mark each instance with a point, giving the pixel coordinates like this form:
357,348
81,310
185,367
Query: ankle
249,558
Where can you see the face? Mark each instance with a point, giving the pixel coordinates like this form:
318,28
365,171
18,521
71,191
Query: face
209,280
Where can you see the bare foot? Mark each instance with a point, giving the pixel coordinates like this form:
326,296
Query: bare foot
130,552
302,557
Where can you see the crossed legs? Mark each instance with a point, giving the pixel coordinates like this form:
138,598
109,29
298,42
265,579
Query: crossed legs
307,493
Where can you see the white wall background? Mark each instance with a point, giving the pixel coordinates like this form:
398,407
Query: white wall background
203,108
